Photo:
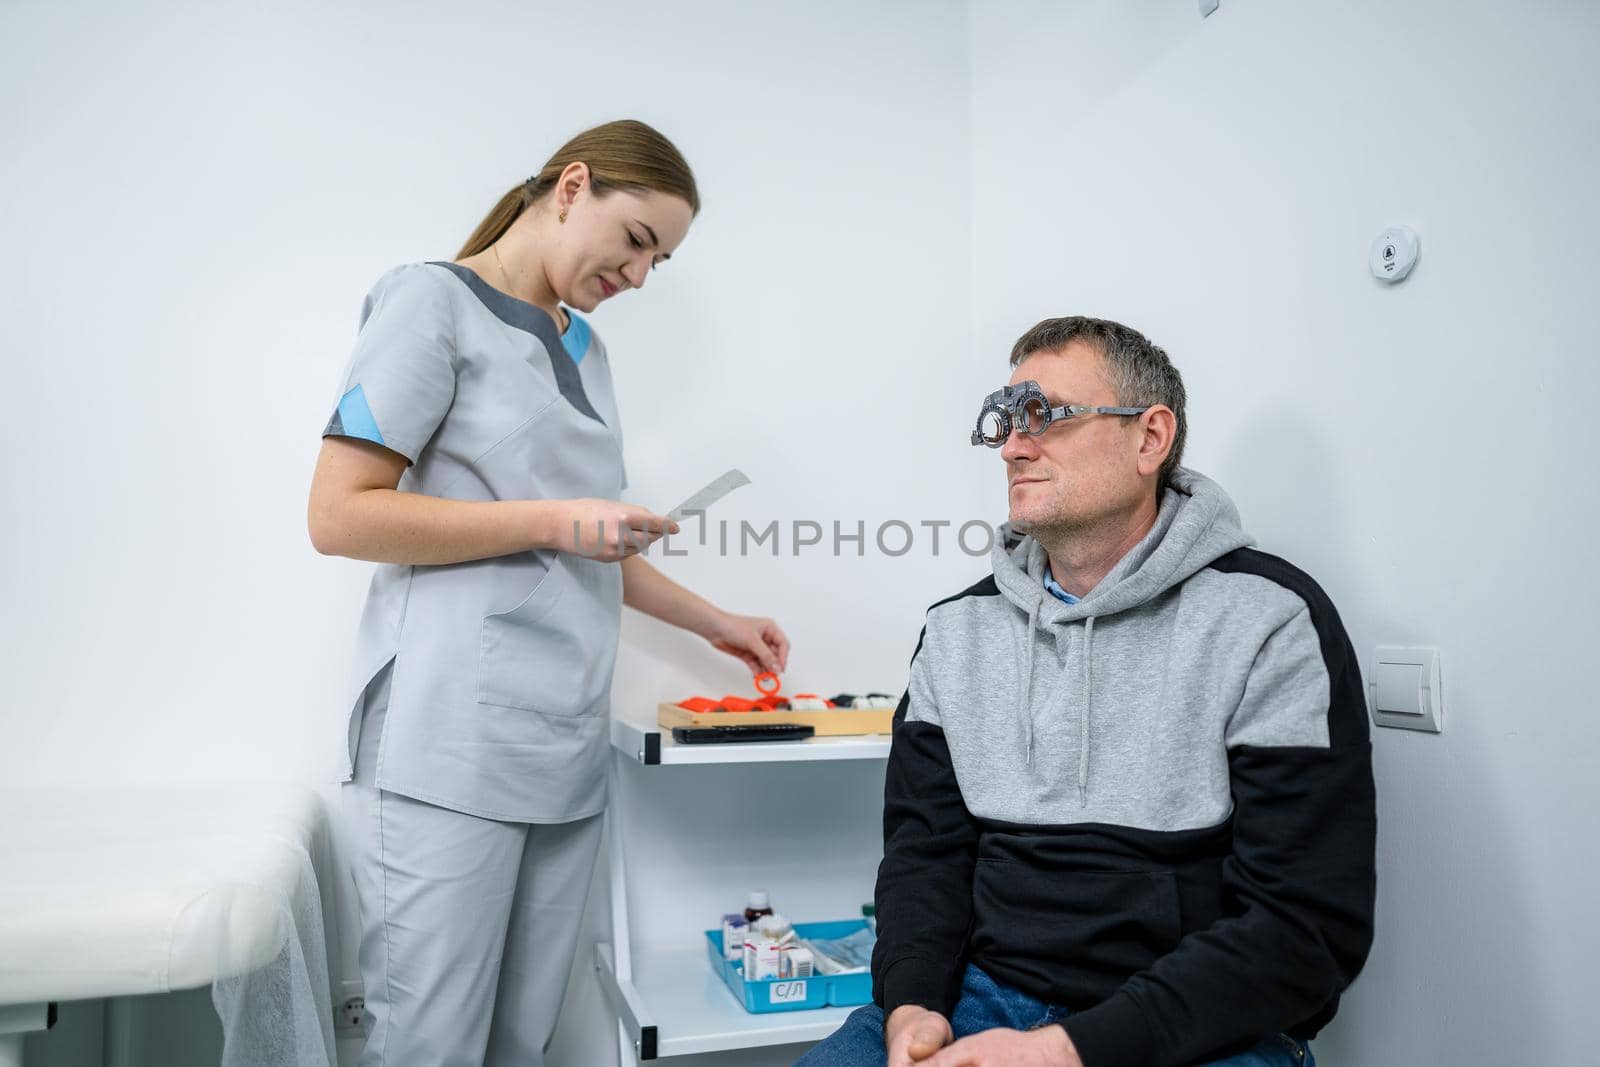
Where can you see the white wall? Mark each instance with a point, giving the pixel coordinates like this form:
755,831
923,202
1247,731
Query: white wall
197,198
1425,451
199,201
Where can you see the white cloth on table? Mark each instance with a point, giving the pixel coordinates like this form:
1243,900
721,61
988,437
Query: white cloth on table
126,891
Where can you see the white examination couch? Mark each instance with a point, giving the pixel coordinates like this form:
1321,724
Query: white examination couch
116,892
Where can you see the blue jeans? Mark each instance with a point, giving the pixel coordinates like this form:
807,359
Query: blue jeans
986,1004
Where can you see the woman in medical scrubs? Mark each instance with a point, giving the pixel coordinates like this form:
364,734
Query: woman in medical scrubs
476,455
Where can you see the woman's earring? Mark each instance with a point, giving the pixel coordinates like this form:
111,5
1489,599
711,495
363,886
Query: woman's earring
563,215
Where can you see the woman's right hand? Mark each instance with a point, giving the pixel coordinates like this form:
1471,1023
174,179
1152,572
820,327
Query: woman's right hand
609,530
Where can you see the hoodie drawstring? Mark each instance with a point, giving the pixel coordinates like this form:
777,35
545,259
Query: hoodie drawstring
1027,673
1088,706
1088,698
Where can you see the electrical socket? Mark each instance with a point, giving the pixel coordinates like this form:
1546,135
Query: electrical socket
350,1014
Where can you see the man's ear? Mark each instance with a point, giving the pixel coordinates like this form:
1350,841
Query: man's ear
1157,427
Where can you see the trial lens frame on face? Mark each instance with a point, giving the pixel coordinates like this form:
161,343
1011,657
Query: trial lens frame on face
1024,406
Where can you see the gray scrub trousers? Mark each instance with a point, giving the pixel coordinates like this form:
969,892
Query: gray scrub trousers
473,736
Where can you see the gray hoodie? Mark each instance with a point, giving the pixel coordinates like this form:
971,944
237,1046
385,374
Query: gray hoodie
1142,806
1192,529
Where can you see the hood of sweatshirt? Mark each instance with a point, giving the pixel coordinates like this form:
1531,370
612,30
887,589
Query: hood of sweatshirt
1196,524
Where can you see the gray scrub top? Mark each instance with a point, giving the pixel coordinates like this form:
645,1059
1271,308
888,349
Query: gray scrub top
501,687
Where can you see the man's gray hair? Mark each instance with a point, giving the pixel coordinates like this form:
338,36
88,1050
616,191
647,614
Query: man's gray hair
1137,371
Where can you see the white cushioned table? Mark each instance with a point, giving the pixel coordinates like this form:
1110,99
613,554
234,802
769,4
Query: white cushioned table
111,892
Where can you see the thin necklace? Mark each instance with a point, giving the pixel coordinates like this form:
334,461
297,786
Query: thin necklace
495,248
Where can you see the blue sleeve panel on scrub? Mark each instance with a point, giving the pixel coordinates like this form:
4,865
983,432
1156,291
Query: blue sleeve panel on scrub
501,685
401,377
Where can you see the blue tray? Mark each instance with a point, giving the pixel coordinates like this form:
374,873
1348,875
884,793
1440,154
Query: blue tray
794,994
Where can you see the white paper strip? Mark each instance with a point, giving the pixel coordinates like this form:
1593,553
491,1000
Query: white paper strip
712,493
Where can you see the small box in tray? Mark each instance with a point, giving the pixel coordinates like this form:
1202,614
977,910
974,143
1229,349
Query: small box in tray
831,722
794,994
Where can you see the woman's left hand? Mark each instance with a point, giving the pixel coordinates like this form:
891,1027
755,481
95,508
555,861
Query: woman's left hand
760,643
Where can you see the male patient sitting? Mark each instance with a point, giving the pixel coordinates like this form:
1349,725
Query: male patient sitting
1129,811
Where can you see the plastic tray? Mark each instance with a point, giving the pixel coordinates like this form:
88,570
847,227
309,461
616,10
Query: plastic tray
794,994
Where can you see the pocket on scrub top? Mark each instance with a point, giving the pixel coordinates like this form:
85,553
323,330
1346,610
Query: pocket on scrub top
532,655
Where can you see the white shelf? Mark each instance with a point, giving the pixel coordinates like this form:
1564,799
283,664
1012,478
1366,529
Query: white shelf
693,1011
678,826
639,738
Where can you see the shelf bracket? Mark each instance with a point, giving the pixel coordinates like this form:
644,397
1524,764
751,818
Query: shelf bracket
641,745
633,1017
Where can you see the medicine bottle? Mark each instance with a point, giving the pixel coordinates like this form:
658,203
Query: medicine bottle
759,906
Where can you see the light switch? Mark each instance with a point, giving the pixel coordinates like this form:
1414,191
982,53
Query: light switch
1398,688
1404,684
